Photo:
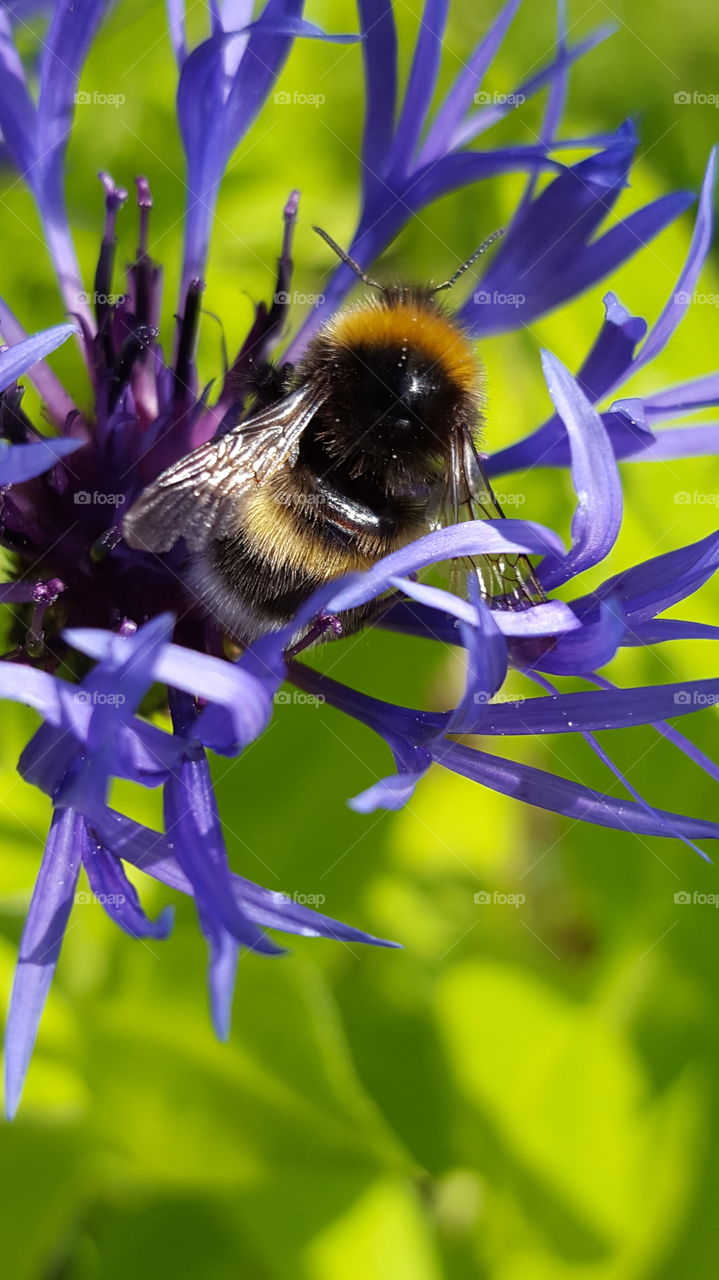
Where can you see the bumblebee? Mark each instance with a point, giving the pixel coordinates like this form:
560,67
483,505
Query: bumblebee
371,441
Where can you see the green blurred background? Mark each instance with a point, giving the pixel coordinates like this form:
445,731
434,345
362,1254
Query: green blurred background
524,1092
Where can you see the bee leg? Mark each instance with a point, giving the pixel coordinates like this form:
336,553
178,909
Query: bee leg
318,631
354,620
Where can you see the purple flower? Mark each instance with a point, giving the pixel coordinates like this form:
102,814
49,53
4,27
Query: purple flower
125,620
412,155
615,356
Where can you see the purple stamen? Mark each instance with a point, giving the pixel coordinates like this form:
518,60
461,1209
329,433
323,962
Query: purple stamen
135,345
143,273
47,592
187,340
268,322
115,197
144,201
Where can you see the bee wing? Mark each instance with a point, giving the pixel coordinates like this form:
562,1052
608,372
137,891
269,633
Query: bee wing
508,581
197,498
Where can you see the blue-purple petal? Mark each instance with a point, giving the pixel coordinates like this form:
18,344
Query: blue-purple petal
659,630
550,619
118,896
40,945
487,660
275,910
590,647
222,971
421,83
678,442
559,795
244,700
679,301
536,262
296,27
485,537
223,85
72,28
653,586
114,690
589,710
461,95
195,833
607,760
598,514
620,244
481,121
18,359
379,51
688,397
150,852
613,349
20,462
18,115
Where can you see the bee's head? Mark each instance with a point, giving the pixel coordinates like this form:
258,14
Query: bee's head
389,398
400,375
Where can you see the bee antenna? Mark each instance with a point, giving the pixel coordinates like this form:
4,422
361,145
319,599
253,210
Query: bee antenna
349,262
496,235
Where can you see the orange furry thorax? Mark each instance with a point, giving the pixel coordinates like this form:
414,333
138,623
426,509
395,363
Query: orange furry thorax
415,323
